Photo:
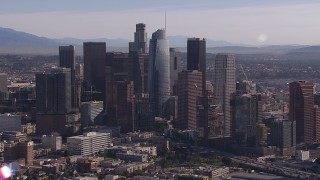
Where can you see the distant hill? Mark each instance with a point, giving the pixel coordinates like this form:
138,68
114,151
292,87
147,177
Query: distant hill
16,42
13,42
308,49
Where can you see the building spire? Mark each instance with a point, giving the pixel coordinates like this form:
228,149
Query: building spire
165,21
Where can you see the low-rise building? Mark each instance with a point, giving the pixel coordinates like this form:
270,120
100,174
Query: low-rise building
13,136
114,177
302,155
111,163
212,172
53,141
88,143
29,128
91,112
131,168
133,157
16,150
191,177
10,122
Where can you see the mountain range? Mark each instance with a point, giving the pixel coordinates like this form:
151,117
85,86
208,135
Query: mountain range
16,42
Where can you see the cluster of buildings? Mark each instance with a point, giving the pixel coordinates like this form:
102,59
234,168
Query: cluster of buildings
129,90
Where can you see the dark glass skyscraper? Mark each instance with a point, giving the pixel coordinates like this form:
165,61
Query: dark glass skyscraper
196,58
67,60
53,92
94,56
3,86
159,69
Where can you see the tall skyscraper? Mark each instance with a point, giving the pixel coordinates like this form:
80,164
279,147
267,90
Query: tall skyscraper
67,60
144,112
196,57
53,92
140,40
3,85
3,82
301,110
245,118
316,111
128,67
94,56
159,69
120,105
225,86
175,69
189,90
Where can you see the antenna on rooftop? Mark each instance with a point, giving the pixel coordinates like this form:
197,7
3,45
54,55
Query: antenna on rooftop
165,21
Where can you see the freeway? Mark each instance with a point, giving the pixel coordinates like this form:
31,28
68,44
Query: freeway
292,172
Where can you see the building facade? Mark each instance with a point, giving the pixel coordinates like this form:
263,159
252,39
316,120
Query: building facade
119,105
88,143
245,119
159,70
91,112
16,150
140,40
301,110
175,69
196,58
10,122
3,85
53,92
67,60
144,112
53,141
283,136
189,91
94,56
225,86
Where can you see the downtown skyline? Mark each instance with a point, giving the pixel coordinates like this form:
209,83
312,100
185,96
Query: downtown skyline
246,21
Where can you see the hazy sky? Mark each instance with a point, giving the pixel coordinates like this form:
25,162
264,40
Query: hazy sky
254,22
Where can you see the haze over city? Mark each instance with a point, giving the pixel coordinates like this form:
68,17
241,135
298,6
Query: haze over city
170,89
245,21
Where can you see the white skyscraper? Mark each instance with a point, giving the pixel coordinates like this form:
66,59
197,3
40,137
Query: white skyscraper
225,86
159,69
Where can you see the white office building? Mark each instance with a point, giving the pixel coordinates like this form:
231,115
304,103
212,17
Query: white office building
88,143
225,86
10,122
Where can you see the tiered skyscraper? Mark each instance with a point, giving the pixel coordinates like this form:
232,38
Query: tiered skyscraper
301,110
140,40
225,86
159,69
